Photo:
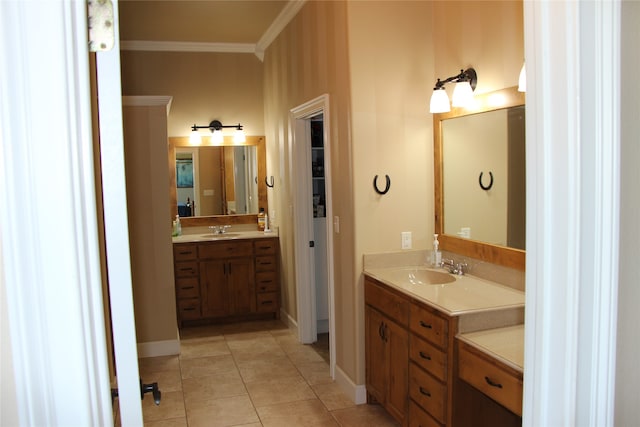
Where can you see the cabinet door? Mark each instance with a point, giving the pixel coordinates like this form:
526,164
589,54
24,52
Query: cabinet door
397,343
376,365
214,291
241,279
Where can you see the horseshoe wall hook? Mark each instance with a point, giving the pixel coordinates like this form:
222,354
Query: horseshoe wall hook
269,184
386,189
486,187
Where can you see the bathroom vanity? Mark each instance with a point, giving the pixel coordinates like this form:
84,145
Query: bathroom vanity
424,339
226,277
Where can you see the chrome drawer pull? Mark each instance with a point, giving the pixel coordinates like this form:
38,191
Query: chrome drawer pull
491,383
425,356
425,325
425,392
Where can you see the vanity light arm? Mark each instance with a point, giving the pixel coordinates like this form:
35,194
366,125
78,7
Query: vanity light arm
465,75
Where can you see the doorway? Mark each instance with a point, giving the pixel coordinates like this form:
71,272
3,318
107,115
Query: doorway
311,165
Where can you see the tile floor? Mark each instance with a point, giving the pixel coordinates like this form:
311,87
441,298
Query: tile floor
249,374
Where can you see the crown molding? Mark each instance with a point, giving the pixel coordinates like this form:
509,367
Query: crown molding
286,15
173,46
147,101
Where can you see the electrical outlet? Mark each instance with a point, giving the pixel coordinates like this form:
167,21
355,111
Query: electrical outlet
406,239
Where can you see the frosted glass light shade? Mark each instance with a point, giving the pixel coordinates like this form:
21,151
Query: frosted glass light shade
462,94
439,102
522,80
217,137
239,136
194,138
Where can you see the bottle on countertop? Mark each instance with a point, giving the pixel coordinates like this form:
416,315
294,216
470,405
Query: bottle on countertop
177,227
261,220
436,255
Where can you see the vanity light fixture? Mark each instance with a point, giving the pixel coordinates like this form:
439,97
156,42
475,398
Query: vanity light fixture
462,93
216,133
522,80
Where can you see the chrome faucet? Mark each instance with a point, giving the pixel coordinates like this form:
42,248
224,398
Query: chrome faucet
219,229
453,268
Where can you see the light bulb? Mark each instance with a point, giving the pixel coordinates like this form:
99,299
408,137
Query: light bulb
522,80
239,136
194,139
439,102
217,137
462,94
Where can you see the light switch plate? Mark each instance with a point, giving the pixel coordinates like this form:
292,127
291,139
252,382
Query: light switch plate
406,239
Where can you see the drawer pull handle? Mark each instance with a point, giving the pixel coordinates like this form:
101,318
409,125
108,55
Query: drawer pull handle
265,247
189,309
186,269
425,325
425,392
188,287
425,356
185,253
491,383
267,302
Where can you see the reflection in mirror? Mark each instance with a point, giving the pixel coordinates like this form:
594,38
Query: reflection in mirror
216,180
482,216
223,183
484,167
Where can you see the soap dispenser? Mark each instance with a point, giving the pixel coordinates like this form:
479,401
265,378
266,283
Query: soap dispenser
177,227
436,255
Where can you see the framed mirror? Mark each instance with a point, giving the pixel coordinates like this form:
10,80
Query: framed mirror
217,184
479,167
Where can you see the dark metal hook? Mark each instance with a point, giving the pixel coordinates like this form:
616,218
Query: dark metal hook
266,181
488,187
375,185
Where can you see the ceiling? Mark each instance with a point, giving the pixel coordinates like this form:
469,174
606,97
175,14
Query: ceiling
203,21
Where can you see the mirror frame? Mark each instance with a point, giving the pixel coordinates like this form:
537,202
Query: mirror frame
183,141
495,254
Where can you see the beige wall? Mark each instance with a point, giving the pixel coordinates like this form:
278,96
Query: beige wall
204,87
627,410
308,59
393,70
146,152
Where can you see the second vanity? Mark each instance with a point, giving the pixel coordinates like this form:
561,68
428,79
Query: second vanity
440,348
226,276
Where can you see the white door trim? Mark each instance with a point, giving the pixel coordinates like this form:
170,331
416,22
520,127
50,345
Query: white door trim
573,75
300,154
48,221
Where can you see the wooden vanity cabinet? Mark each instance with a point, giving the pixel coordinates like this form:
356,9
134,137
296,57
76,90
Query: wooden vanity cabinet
409,355
226,279
387,349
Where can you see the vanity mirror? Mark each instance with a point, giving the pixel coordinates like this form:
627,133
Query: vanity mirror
479,166
225,182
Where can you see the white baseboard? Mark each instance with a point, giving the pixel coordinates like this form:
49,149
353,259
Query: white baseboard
159,348
290,321
357,393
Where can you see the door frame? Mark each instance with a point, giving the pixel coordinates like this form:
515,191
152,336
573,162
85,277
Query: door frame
300,149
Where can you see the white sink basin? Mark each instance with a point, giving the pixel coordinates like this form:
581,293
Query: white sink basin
420,276
220,236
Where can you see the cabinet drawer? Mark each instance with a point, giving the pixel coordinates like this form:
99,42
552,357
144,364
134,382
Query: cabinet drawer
427,392
225,249
267,281
184,252
267,302
187,288
418,417
428,325
266,246
266,263
189,309
187,269
500,383
428,357
391,304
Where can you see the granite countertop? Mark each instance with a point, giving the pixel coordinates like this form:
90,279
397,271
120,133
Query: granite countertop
202,234
505,344
465,294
